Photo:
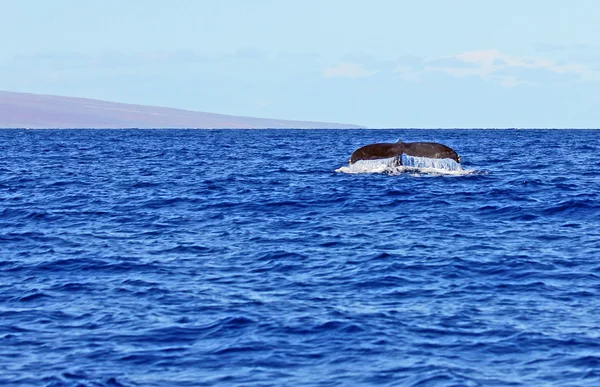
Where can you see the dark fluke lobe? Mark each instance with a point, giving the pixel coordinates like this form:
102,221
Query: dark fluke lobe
418,149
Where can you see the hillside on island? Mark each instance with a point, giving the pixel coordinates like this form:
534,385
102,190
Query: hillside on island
36,111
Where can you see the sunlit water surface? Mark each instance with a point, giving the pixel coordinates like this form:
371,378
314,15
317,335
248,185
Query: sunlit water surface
260,257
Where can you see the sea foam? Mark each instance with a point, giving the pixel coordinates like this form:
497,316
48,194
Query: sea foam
410,164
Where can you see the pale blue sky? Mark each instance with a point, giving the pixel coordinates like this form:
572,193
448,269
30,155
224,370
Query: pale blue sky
378,63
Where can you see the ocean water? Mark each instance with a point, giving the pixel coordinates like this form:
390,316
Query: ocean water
260,258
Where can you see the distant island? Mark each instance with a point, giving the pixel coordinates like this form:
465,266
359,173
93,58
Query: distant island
36,111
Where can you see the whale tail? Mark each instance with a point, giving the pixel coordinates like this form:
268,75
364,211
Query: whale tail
377,151
419,149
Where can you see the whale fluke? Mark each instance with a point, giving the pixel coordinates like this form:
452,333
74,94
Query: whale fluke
417,149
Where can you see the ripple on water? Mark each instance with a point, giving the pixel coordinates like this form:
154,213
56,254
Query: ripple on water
195,257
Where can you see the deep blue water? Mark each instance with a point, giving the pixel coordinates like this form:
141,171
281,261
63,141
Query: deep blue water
233,257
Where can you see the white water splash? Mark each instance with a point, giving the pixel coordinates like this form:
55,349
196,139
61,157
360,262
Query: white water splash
410,164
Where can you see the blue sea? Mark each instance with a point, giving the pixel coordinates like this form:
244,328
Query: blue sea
261,258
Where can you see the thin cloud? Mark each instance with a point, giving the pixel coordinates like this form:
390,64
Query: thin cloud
487,63
408,73
250,53
108,59
347,70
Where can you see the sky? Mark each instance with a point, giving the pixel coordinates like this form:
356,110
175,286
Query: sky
376,63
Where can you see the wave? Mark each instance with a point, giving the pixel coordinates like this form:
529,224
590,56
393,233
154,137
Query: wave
410,164
198,268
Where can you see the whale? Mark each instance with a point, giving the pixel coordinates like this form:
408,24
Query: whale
397,149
